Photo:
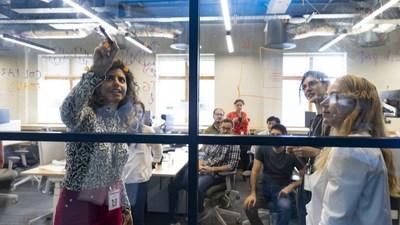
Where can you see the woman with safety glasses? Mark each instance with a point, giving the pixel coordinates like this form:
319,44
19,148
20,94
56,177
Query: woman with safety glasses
352,185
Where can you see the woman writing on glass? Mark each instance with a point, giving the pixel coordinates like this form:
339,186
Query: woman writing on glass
93,191
352,185
138,169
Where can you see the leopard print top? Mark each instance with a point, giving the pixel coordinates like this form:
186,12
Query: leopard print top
92,165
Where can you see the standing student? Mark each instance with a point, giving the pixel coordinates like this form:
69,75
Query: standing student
314,85
241,127
239,118
138,169
352,185
93,191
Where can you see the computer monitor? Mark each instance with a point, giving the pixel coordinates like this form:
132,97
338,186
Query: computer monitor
391,103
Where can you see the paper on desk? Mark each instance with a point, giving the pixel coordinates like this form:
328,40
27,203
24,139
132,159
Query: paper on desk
58,162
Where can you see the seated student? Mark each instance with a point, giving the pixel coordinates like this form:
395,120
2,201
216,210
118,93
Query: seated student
214,159
271,121
277,185
218,115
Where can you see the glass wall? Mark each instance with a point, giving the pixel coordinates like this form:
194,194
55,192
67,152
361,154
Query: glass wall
251,58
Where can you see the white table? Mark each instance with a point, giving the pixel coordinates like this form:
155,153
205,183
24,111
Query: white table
172,168
55,173
157,198
158,195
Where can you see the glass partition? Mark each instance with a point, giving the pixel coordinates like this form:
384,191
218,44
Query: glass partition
251,62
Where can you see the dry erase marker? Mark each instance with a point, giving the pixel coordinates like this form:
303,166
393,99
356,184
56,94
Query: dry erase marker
109,41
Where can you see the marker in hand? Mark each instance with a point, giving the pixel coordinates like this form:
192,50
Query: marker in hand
109,41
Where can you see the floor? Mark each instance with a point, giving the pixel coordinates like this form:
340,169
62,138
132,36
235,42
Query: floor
33,203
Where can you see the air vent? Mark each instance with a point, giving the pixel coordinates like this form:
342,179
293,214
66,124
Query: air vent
277,36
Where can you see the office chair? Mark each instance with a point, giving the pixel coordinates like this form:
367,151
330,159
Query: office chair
7,175
220,197
48,151
395,207
247,173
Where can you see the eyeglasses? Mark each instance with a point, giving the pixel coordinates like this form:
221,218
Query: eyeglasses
336,97
310,84
219,114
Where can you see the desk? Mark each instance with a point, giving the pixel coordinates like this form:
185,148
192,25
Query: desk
158,195
157,198
170,169
55,173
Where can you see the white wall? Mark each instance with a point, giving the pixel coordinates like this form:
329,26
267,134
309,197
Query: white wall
253,78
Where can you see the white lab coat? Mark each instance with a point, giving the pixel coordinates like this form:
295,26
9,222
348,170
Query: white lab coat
352,190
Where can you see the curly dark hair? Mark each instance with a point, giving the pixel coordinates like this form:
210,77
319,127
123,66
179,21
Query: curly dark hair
96,101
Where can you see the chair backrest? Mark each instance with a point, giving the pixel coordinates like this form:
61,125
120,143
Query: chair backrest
395,206
49,151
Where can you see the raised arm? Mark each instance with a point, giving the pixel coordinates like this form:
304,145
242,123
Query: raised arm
74,107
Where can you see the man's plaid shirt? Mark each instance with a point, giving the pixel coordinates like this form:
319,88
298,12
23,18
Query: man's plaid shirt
221,155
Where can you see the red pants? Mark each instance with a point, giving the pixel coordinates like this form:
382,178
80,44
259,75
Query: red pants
71,211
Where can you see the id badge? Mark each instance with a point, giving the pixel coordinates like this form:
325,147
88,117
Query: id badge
114,199
307,183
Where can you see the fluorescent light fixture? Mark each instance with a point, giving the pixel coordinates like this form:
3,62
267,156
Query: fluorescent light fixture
92,15
226,14
73,26
229,42
375,13
332,42
27,43
138,43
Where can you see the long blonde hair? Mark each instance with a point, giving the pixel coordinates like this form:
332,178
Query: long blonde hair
366,116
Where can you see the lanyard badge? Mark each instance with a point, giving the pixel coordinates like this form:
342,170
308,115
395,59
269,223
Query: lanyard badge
114,198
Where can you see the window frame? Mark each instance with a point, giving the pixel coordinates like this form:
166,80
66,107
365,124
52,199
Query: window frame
185,77
311,56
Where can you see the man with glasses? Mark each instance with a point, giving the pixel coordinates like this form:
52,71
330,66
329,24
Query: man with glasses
218,116
277,185
213,159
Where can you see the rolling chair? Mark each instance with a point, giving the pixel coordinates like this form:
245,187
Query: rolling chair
7,175
220,198
22,156
395,207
